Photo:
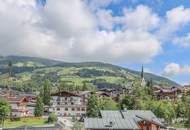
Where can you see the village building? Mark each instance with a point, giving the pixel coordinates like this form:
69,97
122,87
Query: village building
124,120
22,105
168,93
18,106
185,89
84,94
68,104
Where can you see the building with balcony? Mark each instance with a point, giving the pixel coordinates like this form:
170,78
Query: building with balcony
68,104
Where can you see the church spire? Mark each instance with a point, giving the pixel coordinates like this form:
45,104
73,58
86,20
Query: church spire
142,72
143,82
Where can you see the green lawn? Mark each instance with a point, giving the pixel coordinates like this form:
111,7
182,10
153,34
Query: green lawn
28,122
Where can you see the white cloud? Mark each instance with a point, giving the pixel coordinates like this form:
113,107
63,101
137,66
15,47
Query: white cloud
182,41
174,20
105,19
67,17
140,18
175,69
68,30
127,46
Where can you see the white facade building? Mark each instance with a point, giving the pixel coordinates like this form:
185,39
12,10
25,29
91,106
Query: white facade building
68,104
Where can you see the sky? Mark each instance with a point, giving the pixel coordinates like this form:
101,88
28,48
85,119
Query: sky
128,33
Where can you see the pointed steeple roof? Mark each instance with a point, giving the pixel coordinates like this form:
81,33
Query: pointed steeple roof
142,72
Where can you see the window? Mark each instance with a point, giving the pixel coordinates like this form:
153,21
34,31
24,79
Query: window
58,109
83,109
65,98
66,109
72,103
73,109
65,103
78,108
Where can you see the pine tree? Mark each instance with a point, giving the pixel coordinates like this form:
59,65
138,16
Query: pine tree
47,93
93,106
10,68
150,90
39,109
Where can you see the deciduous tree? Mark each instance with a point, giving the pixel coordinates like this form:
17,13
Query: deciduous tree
4,110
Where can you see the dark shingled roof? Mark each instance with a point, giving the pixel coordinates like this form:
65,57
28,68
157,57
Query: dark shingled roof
65,94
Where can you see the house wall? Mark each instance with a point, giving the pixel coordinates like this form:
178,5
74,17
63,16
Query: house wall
19,109
19,114
68,106
148,126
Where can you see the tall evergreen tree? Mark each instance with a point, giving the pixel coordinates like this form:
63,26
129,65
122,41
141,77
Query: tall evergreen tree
9,76
93,106
39,109
150,88
47,93
10,68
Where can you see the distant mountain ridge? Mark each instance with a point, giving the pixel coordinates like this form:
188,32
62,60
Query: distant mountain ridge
26,69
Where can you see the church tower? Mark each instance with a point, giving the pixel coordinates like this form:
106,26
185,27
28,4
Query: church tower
143,82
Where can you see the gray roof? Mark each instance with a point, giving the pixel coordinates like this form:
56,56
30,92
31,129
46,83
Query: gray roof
111,123
111,114
128,119
149,115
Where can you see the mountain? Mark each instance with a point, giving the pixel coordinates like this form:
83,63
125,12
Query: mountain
30,72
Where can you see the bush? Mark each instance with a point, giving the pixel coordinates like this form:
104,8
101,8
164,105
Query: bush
52,118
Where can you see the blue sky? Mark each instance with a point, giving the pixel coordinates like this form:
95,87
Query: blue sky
129,33
171,53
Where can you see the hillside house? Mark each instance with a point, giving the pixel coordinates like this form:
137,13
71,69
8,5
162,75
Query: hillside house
168,93
18,106
185,89
124,120
68,104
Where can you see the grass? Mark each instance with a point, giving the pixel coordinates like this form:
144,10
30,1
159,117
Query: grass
28,122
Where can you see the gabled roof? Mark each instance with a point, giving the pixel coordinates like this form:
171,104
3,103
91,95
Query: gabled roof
65,94
140,115
16,99
110,123
151,121
128,119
